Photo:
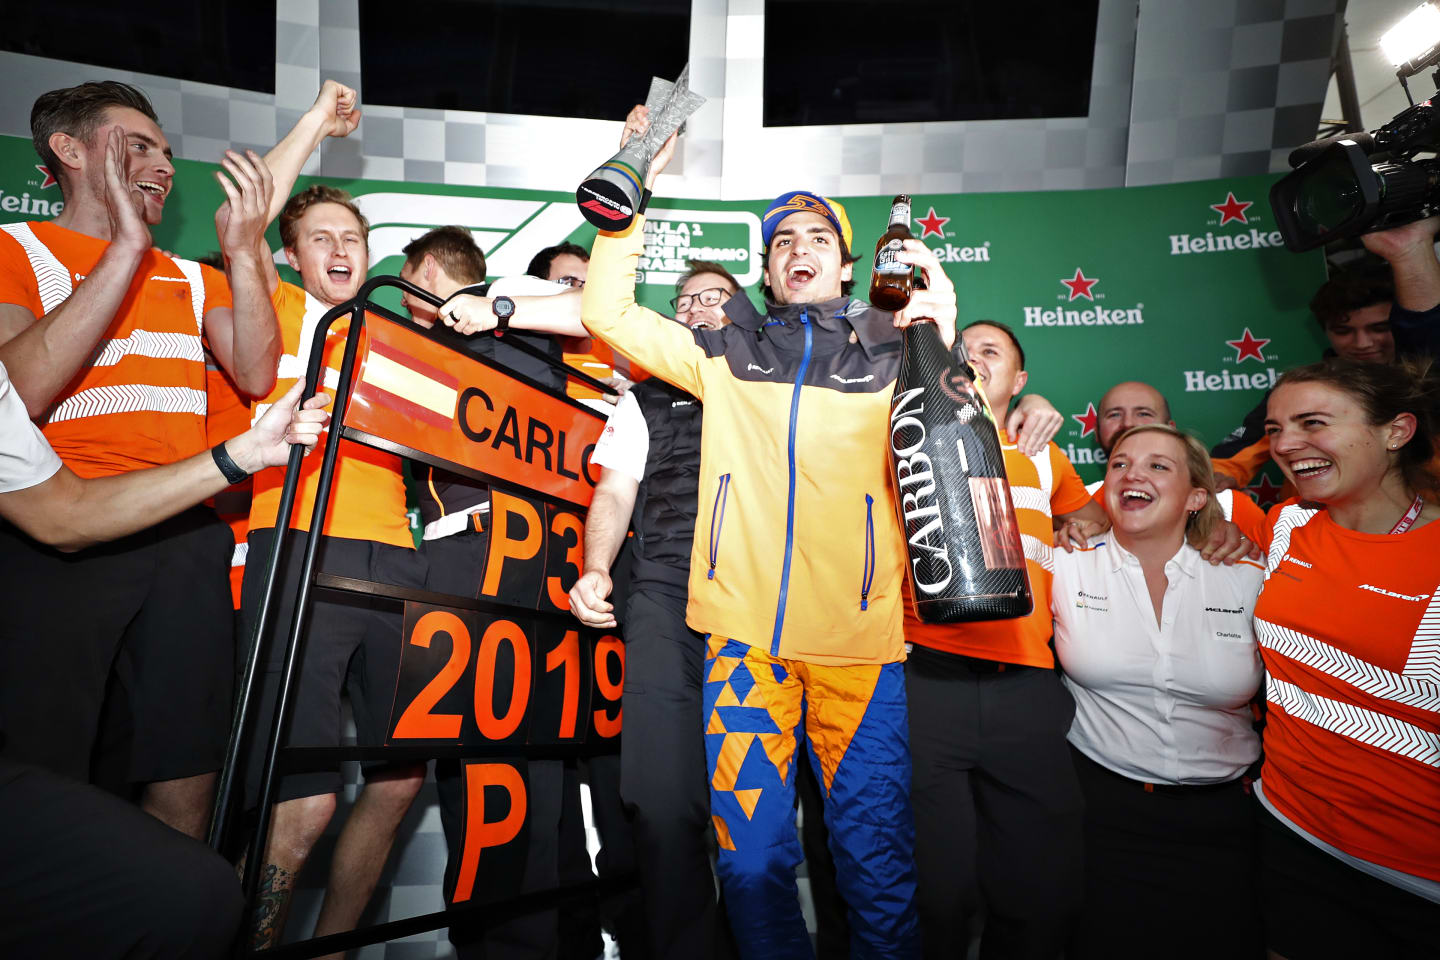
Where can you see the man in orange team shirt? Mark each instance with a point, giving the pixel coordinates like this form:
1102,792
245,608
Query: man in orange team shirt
105,337
351,644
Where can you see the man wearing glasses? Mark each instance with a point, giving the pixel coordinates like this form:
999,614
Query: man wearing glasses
650,460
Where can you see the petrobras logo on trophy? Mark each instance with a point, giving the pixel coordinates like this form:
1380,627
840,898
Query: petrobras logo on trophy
39,197
1247,347
1241,233
1095,314
933,225
1089,423
726,237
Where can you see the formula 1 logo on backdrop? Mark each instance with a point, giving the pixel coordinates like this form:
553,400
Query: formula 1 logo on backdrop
24,203
1234,215
1080,287
511,231
1245,347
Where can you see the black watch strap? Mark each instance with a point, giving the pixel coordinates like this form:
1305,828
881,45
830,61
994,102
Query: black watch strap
232,471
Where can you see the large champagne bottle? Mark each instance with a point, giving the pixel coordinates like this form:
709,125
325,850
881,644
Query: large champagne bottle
965,559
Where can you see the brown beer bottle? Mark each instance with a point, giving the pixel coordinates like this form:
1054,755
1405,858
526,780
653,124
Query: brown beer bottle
891,281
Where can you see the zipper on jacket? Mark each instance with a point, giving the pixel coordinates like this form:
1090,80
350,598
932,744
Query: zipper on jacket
790,509
868,579
717,521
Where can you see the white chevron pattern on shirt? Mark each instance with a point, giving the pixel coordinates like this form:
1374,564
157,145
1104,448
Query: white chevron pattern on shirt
51,276
1356,723
1039,551
1406,688
145,343
129,398
1424,659
1030,498
1290,517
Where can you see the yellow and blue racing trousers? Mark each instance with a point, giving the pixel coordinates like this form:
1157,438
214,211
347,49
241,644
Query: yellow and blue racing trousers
758,709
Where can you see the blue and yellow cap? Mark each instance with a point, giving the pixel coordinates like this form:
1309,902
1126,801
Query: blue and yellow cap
797,201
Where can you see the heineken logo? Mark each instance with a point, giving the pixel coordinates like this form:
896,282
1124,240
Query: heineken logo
1247,347
951,253
1231,210
28,204
1081,287
49,178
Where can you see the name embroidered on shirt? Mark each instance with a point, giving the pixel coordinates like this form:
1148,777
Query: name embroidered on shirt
1228,636
681,403
1390,593
760,368
835,376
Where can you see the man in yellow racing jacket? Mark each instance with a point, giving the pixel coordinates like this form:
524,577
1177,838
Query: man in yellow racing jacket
796,566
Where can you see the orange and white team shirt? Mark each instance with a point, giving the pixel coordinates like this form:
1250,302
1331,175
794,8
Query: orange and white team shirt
367,500
1238,508
1349,631
1040,487
229,416
141,401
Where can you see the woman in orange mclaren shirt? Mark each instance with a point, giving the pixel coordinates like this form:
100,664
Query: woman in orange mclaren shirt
1349,629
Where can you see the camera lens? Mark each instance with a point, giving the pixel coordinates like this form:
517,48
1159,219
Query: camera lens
1331,198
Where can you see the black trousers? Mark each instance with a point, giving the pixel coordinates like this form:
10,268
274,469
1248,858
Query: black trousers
997,807
1169,872
1317,907
83,874
154,608
663,780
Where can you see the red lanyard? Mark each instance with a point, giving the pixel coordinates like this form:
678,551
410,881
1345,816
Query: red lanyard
1411,515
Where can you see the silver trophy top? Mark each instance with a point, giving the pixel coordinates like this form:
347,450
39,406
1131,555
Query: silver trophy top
670,105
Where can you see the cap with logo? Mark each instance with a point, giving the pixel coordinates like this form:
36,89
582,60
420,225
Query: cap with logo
799,201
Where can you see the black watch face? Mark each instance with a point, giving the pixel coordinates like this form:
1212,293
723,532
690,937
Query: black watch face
503,306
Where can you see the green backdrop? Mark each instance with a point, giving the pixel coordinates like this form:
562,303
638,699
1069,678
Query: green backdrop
1150,283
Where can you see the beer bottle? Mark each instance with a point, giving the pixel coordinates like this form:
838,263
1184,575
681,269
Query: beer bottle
965,560
891,281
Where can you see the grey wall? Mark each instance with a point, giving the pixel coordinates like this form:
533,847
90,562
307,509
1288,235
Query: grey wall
1181,90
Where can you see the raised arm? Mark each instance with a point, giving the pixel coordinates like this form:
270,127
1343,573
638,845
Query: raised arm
558,315
245,337
43,354
608,309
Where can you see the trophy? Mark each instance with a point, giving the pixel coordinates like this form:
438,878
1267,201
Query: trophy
610,195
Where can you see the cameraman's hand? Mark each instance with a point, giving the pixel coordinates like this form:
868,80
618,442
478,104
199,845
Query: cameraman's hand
1404,240
1410,250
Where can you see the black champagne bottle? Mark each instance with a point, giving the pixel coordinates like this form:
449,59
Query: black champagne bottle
965,559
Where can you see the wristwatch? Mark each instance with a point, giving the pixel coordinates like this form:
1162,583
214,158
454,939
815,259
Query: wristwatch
504,309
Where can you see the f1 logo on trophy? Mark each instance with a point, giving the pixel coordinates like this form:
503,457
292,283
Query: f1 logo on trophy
611,194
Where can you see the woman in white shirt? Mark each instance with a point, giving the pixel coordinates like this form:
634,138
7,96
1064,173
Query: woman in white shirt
1159,653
